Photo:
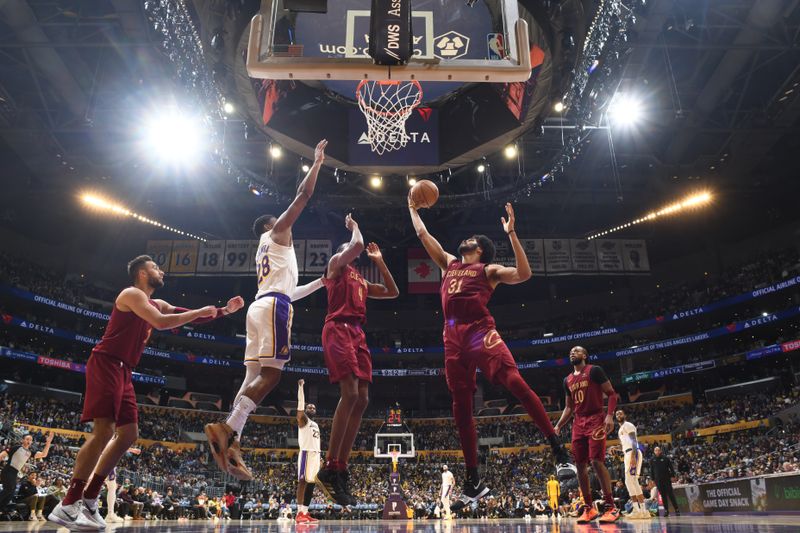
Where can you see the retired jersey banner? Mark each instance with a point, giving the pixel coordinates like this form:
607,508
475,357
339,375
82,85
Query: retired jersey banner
634,254
609,255
161,252
424,276
534,251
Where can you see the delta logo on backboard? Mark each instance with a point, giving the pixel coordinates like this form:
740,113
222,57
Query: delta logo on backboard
422,146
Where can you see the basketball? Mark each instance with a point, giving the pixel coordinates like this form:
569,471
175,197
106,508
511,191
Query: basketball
424,193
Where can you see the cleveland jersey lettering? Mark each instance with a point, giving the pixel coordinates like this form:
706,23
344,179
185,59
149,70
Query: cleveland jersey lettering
585,389
465,292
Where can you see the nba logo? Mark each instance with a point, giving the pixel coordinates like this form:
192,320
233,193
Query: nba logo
495,45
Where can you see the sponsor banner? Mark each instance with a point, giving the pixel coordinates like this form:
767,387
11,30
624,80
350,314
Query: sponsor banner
584,255
557,256
634,256
782,493
69,366
424,276
421,133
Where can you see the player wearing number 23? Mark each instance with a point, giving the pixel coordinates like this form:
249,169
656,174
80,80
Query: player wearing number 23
471,340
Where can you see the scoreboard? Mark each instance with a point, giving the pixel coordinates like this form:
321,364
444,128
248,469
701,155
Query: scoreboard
230,257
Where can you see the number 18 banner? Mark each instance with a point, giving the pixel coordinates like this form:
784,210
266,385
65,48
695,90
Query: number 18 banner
211,257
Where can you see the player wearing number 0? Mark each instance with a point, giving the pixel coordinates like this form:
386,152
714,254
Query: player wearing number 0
110,401
268,324
471,340
346,353
585,387
448,482
633,459
308,458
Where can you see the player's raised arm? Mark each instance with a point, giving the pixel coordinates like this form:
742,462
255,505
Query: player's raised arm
48,440
282,231
522,271
233,305
302,420
301,291
351,250
432,246
377,290
135,300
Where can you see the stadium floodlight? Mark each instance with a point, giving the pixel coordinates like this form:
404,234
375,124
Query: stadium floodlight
693,201
376,182
275,151
99,203
175,139
305,167
558,107
411,180
510,151
625,110
481,168
229,108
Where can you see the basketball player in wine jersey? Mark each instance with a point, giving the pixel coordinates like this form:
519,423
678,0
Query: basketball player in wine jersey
585,387
471,340
346,353
110,401
268,324
308,438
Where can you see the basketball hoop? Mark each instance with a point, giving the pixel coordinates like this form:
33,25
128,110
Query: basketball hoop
386,105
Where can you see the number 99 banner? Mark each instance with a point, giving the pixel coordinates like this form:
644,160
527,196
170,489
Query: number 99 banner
231,257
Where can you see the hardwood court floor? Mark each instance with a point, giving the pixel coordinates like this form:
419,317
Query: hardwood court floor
684,524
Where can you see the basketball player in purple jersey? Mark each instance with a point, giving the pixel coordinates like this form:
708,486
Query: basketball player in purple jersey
585,387
471,340
110,401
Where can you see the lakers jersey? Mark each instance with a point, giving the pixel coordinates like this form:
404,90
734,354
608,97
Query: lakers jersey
276,267
308,437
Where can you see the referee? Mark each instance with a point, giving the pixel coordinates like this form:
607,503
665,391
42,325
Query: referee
661,468
17,456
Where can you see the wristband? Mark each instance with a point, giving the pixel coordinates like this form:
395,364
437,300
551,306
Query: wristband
512,231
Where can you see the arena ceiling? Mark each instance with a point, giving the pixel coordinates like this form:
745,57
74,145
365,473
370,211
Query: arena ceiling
718,82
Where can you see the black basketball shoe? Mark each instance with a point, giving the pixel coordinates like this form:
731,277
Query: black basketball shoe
471,493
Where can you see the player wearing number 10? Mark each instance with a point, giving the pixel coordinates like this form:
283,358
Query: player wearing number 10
471,340
269,322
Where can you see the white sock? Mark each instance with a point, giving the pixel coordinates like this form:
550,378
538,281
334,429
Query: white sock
302,508
90,504
241,410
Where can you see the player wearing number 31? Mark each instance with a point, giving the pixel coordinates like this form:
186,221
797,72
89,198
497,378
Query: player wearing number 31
269,322
471,340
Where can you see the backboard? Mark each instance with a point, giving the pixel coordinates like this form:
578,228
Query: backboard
485,42
385,443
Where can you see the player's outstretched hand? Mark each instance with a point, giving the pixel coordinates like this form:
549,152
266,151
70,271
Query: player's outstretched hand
319,151
208,311
373,252
234,304
301,382
508,225
350,223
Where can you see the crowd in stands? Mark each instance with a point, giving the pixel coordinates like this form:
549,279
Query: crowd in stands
734,279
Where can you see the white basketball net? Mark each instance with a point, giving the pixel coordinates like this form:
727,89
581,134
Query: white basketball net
386,106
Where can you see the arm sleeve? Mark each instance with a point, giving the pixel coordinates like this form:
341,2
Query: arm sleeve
598,375
302,291
301,399
201,320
